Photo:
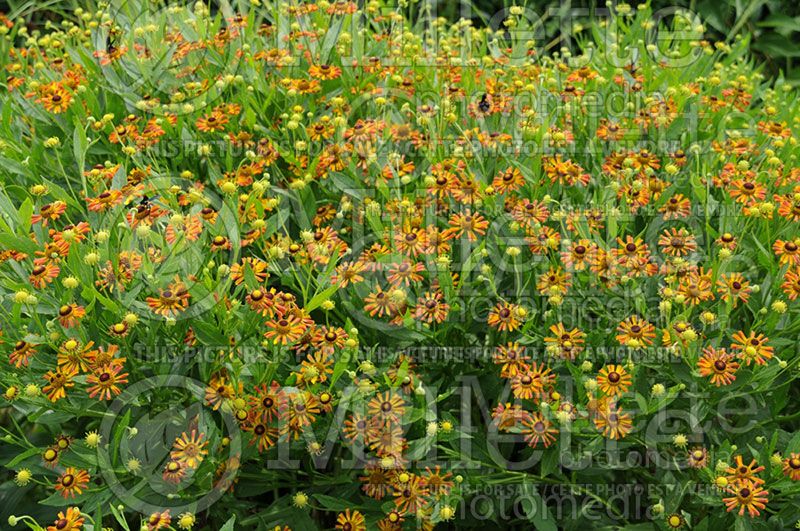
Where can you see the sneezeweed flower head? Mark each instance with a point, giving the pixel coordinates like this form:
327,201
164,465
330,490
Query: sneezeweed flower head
537,429
635,332
613,380
698,457
740,472
133,465
718,365
159,520
791,466
300,500
186,520
680,440
675,521
506,316
23,477
350,521
190,450
92,439
72,482
11,393
70,520
746,495
613,423
752,348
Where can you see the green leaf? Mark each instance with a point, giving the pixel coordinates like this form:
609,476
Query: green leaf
25,214
329,502
776,45
23,456
118,434
536,510
119,517
228,526
341,364
320,297
25,245
550,461
779,21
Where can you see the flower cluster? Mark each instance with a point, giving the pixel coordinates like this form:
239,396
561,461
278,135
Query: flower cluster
302,193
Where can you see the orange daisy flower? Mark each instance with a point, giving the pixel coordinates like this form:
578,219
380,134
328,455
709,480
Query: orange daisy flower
58,382
752,348
285,330
104,381
613,423
635,332
171,301
791,466
538,429
189,450
70,315
613,380
348,521
72,482
69,520
506,316
564,344
719,365
746,495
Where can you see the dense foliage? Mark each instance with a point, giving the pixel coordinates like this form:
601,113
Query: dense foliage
316,265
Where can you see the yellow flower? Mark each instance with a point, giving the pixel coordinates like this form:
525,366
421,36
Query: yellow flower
447,512
12,392
23,477
133,465
92,439
300,500
186,521
778,307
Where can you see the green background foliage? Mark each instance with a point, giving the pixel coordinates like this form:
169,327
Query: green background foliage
772,26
